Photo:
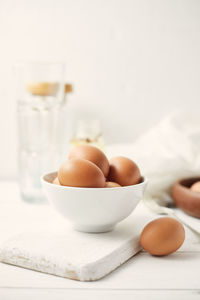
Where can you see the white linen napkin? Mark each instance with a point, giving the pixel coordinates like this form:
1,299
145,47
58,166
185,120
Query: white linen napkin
165,153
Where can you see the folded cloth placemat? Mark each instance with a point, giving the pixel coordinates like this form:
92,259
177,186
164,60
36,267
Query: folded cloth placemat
76,255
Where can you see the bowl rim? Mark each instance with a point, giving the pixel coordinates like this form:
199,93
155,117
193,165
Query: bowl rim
64,187
186,182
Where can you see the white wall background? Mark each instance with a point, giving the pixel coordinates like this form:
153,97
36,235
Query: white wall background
131,61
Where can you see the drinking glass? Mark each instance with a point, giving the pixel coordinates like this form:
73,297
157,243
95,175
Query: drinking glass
40,118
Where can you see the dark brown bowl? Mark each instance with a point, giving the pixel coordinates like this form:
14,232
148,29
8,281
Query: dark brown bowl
185,198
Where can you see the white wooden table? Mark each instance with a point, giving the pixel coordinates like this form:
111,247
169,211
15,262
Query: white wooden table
143,277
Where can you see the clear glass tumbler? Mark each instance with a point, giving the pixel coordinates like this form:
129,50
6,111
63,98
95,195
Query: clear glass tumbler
40,116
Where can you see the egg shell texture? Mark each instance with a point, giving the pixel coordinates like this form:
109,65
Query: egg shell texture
78,172
92,154
196,187
124,171
110,184
162,236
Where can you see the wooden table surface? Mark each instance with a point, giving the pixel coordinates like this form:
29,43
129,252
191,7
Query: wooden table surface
143,277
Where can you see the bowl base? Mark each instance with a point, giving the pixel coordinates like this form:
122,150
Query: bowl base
94,229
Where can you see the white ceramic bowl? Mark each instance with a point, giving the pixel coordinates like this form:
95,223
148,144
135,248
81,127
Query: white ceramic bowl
93,209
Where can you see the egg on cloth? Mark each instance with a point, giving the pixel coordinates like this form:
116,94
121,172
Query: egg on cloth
162,236
78,172
92,154
124,171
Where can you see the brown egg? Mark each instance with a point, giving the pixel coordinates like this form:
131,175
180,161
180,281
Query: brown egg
162,236
110,184
80,173
92,154
186,198
196,187
124,171
56,181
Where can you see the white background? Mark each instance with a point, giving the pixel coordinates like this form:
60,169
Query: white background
131,62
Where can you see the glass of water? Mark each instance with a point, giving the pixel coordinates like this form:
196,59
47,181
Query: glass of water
40,116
